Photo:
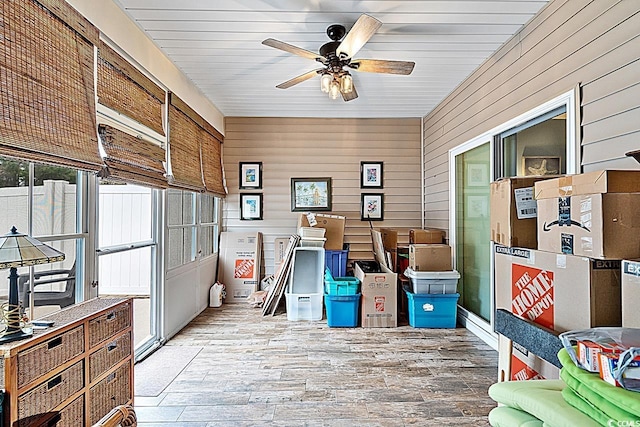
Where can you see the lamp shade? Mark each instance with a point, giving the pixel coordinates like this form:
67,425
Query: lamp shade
18,250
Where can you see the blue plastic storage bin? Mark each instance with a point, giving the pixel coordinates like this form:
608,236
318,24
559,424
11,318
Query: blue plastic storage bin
432,310
336,261
340,285
342,310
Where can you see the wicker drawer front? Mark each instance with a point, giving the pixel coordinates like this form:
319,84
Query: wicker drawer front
52,393
41,359
109,324
71,415
108,356
112,391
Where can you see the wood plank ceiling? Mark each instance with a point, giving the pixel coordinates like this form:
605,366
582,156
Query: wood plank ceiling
217,44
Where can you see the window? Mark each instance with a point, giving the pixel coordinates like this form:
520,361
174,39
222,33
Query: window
45,201
181,222
193,224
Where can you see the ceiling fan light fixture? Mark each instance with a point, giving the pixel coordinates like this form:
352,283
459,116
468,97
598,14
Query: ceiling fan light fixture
346,83
334,90
325,82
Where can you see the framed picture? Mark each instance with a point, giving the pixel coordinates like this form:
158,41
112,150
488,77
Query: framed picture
541,165
250,175
250,206
477,206
372,207
370,174
477,175
310,194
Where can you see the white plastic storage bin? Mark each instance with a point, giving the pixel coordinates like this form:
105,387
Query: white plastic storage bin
304,306
433,282
307,271
313,243
311,232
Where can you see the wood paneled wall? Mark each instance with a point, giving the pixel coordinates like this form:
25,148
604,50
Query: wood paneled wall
304,147
570,43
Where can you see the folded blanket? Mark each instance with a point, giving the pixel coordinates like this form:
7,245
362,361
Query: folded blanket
584,406
614,402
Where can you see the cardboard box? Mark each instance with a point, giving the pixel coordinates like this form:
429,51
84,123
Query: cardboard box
239,264
631,293
560,292
608,364
390,244
527,366
424,257
334,225
379,291
279,250
428,235
514,212
593,214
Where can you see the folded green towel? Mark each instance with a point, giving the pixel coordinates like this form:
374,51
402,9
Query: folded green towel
617,403
584,406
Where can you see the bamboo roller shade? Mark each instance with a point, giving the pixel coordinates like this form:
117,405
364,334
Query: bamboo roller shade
123,88
132,159
194,147
47,102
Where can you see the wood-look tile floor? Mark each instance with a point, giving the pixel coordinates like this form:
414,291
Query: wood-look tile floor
253,371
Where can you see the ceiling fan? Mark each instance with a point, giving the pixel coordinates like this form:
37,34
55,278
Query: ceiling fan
336,55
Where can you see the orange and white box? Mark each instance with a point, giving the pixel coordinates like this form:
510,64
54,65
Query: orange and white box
589,353
609,362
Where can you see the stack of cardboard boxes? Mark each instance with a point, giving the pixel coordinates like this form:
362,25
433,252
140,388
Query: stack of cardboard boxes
558,248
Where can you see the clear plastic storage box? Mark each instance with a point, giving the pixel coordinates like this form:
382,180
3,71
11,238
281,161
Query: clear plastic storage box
433,282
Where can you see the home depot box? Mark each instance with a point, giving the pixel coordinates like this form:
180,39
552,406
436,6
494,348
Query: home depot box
427,235
424,257
514,212
560,292
239,264
593,214
527,366
631,293
379,291
334,225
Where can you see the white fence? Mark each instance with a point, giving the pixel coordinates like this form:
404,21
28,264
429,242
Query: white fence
125,217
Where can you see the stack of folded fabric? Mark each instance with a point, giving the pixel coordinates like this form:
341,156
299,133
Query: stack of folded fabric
580,398
601,401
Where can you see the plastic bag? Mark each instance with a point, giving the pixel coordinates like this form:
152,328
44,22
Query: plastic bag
626,338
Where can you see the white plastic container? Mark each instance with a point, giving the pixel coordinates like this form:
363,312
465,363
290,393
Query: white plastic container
433,282
216,294
307,271
311,232
304,306
312,242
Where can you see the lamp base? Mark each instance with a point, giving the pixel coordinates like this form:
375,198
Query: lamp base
14,336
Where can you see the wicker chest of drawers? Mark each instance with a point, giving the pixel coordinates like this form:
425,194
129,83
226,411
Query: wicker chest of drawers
81,368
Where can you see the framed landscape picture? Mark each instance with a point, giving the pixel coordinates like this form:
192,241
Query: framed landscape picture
310,194
371,174
250,175
250,206
372,207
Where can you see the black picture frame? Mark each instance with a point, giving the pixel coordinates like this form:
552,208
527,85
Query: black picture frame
310,194
372,206
250,175
251,206
371,174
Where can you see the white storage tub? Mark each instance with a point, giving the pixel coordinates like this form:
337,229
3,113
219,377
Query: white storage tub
304,306
312,232
307,271
310,242
433,282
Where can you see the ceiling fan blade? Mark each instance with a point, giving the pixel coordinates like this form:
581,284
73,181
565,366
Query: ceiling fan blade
360,33
350,96
382,66
292,49
301,78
